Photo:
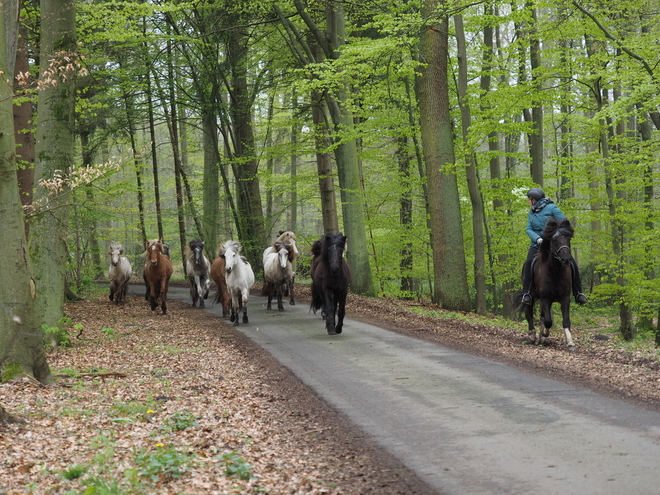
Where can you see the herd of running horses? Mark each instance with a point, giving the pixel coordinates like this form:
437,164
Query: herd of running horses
234,277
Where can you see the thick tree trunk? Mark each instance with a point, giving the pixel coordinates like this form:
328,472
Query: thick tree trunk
21,337
245,165
54,151
449,266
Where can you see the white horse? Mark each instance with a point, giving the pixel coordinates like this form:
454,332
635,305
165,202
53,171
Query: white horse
120,272
278,272
289,237
239,277
198,269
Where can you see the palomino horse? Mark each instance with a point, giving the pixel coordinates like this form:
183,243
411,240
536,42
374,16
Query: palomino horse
278,273
330,278
120,272
198,269
290,237
240,278
552,281
157,273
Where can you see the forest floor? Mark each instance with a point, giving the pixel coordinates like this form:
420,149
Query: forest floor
183,403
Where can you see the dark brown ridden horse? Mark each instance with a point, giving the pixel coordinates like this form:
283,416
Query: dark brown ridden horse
218,276
330,278
157,273
552,281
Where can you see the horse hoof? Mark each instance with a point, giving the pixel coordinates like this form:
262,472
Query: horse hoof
338,330
236,322
245,319
292,303
280,309
232,318
332,332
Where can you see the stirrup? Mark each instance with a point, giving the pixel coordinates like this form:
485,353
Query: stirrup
526,298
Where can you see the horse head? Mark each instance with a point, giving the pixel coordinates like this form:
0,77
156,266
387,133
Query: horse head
231,254
283,250
333,249
154,248
115,252
559,235
196,248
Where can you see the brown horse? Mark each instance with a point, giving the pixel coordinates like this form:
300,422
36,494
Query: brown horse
157,273
552,282
331,276
218,276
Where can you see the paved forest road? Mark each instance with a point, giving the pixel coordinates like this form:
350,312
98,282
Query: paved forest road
467,425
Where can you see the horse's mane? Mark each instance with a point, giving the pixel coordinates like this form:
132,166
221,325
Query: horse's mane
286,245
115,245
290,237
233,245
188,250
161,247
317,246
553,227
331,239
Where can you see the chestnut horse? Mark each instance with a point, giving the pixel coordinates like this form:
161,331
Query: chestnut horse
218,276
157,273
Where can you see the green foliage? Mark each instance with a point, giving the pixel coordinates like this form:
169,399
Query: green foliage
56,336
11,371
180,421
162,463
235,466
74,472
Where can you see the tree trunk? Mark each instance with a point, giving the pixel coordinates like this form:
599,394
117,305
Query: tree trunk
23,128
54,151
449,266
21,336
471,172
245,165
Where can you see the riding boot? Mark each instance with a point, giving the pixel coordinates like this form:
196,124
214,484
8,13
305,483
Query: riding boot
527,283
580,298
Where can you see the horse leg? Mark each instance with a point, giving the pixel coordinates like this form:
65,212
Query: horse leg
163,297
566,323
280,306
341,310
529,316
330,313
244,302
193,291
112,290
546,320
292,300
199,290
153,296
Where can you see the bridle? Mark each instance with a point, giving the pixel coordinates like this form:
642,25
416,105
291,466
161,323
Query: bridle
556,254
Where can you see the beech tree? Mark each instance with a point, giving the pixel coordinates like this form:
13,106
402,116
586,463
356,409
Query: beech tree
21,336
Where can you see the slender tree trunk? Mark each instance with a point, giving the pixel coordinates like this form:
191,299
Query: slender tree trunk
211,182
449,266
54,151
87,155
406,219
23,128
21,336
471,172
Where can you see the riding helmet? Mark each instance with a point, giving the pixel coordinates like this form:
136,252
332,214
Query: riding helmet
535,193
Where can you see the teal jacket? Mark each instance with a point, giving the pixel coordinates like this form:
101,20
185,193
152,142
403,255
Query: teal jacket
539,214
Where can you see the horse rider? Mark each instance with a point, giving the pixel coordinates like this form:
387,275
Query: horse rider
541,210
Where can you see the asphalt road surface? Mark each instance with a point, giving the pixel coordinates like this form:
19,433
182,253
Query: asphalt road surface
466,424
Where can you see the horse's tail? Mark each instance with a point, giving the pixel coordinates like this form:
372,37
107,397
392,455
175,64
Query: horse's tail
516,303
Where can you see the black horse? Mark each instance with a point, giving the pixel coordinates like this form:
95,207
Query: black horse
552,281
330,278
